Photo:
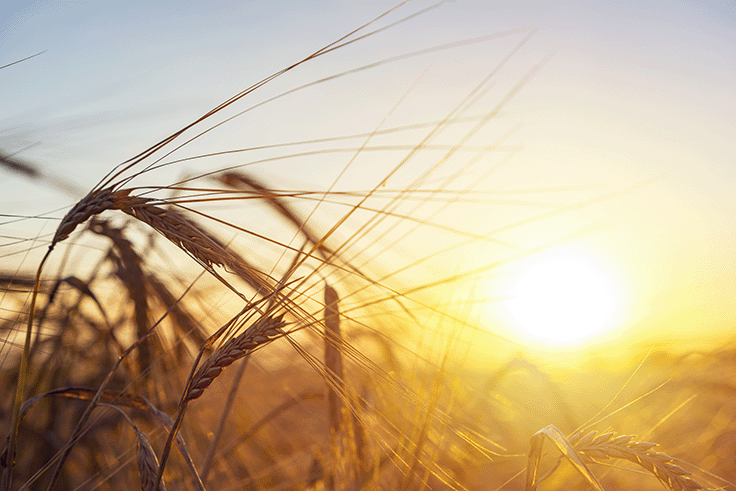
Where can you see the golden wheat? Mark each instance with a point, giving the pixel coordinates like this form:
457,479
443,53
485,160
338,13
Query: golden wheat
147,463
93,204
438,444
594,447
263,331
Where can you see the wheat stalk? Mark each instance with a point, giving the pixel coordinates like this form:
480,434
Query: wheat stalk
129,269
343,459
593,447
94,203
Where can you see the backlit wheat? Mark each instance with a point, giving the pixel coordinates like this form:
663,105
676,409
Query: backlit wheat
262,332
594,447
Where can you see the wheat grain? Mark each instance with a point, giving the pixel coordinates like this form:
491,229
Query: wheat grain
261,332
193,239
183,232
94,203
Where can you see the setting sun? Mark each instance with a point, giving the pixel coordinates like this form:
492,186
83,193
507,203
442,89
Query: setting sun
563,297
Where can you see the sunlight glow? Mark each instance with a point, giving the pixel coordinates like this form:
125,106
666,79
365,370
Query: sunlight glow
564,297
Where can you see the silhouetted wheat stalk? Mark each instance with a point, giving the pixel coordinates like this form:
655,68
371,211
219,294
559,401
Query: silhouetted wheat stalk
179,230
108,196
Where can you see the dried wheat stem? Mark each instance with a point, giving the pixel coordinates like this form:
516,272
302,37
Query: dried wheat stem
333,355
234,385
23,370
594,447
344,463
130,271
100,390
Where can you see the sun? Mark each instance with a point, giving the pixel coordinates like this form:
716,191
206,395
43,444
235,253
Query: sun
563,297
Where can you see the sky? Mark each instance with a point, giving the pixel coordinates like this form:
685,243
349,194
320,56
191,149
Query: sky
633,96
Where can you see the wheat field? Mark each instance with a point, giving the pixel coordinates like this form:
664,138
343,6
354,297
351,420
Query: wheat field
294,282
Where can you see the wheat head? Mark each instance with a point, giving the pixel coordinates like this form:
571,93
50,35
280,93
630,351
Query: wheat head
147,463
593,448
260,333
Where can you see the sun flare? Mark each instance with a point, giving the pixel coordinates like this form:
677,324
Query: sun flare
564,297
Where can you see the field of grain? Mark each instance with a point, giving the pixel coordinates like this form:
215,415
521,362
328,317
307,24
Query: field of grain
303,275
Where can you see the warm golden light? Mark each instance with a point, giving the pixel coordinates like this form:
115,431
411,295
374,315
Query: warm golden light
563,297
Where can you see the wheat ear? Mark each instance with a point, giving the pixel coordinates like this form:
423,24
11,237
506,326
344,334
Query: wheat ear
93,204
194,240
593,447
333,357
260,333
177,228
553,434
263,331
582,449
241,180
145,456
147,463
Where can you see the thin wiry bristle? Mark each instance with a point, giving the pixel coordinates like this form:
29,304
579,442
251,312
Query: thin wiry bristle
241,180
